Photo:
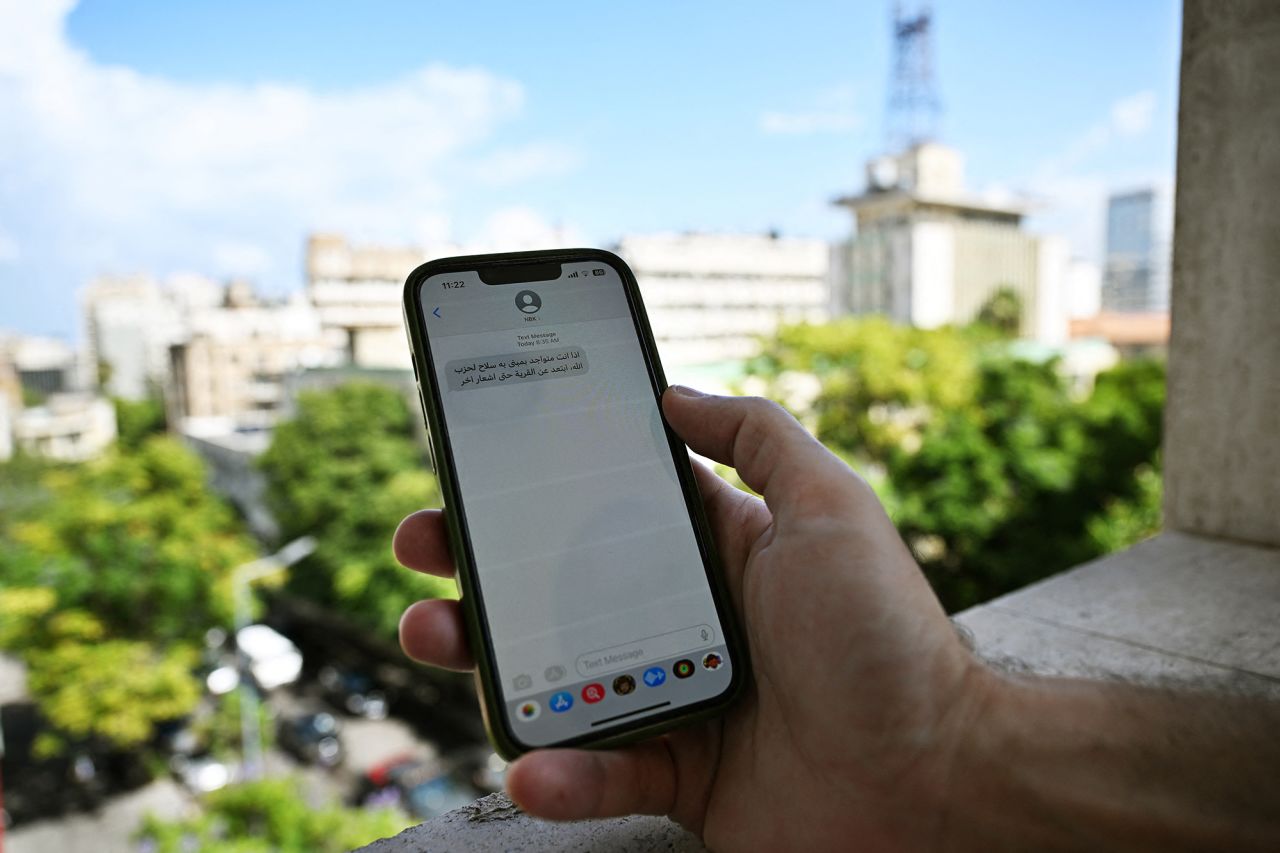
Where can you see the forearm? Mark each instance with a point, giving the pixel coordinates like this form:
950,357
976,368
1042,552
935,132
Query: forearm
1057,763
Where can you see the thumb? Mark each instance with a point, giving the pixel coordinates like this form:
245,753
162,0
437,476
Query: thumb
772,452
572,784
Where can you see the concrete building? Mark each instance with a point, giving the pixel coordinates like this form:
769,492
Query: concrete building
1136,275
40,366
67,427
927,253
130,323
234,357
711,297
357,292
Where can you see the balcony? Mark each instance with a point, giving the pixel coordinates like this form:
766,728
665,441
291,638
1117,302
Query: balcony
1200,603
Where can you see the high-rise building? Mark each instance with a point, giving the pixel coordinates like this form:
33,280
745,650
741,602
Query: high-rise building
711,297
358,292
1136,274
926,253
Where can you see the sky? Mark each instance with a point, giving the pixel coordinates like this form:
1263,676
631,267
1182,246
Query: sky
162,137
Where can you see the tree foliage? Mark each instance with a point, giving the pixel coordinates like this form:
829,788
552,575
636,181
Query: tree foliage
993,472
346,469
134,538
1002,312
138,420
270,816
110,573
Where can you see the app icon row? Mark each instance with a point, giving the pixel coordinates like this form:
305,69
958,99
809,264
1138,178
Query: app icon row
654,676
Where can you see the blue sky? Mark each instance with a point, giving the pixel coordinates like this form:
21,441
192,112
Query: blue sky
211,137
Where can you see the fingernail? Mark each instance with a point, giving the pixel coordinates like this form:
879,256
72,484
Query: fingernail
685,391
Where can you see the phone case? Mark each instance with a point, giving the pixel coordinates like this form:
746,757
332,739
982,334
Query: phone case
505,742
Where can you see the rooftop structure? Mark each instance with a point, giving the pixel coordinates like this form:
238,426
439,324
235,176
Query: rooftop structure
927,253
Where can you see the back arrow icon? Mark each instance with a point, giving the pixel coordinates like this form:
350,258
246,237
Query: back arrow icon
436,311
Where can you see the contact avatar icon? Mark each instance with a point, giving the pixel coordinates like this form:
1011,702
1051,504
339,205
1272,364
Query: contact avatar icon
528,302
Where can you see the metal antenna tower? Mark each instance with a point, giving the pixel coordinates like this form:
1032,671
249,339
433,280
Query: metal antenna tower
914,108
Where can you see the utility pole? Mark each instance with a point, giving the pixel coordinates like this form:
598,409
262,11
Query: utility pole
242,578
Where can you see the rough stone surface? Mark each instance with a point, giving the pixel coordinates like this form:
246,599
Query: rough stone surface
1177,609
1174,606
1222,457
494,823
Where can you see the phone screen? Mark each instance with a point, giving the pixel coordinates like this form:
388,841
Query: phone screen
593,588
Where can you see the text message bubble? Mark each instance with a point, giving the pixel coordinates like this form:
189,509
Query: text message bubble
515,368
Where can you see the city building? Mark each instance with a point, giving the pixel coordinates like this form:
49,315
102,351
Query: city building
67,427
1130,332
234,357
1136,274
40,366
40,409
712,297
357,291
129,324
927,253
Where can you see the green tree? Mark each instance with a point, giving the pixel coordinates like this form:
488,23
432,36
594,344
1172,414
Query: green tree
879,381
345,470
271,816
1002,311
110,573
138,420
995,474
114,690
134,538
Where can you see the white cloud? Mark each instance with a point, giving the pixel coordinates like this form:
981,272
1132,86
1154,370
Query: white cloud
536,160
830,111
520,228
146,171
1071,186
1128,117
1131,116
235,258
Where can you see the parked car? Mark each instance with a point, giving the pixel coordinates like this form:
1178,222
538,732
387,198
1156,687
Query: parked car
353,692
424,789
203,774
273,660
312,738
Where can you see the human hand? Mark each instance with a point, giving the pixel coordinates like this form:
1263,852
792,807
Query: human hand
861,690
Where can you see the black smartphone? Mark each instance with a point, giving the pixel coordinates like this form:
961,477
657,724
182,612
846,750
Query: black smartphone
594,599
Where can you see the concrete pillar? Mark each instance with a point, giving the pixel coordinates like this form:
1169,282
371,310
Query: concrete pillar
1222,422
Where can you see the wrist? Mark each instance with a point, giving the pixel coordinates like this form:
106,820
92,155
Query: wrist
971,791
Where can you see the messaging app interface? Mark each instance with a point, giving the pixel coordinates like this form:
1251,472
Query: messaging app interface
597,601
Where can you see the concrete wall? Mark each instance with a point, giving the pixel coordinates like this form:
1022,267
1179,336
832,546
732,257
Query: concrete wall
1222,444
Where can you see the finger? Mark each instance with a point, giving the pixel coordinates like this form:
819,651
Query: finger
773,454
737,520
570,784
421,543
432,632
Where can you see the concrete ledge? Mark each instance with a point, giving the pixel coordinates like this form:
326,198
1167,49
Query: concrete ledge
1175,609
494,823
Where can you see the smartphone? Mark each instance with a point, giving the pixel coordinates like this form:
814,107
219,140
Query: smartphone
593,596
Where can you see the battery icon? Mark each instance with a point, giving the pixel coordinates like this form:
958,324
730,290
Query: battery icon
597,272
